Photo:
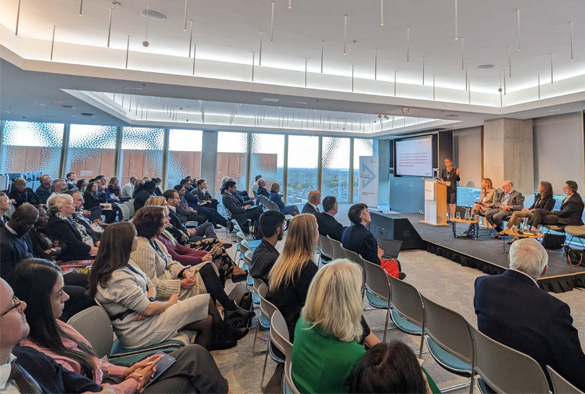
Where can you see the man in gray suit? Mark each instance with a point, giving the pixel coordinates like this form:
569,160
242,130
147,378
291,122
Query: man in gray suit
509,201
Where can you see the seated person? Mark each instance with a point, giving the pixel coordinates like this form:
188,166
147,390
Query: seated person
239,211
506,203
92,201
39,284
326,220
5,205
262,191
202,191
62,226
512,309
82,216
184,210
70,179
314,200
58,186
81,185
570,213
357,238
265,255
143,194
44,191
542,200
21,194
254,186
204,230
114,188
241,195
127,189
192,205
328,334
15,241
275,197
487,198
158,191
390,368
44,245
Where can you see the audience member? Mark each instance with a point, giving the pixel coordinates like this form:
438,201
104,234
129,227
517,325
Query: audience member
24,369
328,225
15,242
314,200
506,203
261,190
21,194
158,182
569,214
44,245
92,202
114,188
94,230
144,194
44,191
203,193
390,368
265,254
5,205
62,226
185,211
189,183
327,336
204,230
130,298
81,185
513,310
127,189
239,211
70,179
357,238
294,269
275,197
254,186
40,285
58,186
542,200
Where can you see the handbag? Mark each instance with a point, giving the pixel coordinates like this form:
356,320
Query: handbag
241,296
575,257
553,241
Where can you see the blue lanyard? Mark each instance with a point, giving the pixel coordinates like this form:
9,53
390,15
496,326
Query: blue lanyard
159,252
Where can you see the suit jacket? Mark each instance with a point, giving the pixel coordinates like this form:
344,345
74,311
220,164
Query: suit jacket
232,203
513,310
13,248
571,211
516,201
357,238
26,196
546,203
308,208
177,224
66,233
192,200
140,199
43,193
50,376
328,225
203,195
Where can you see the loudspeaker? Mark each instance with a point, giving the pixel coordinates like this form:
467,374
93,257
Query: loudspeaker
383,226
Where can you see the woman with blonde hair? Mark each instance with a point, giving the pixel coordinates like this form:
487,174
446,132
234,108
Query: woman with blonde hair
330,322
294,269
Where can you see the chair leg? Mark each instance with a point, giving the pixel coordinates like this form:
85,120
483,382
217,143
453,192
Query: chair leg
386,323
264,369
471,383
422,343
256,336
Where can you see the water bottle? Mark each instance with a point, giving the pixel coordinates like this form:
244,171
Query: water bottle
525,226
467,214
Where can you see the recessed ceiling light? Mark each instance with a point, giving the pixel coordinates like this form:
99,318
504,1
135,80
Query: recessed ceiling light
301,102
270,100
58,101
486,66
555,110
153,15
87,114
68,107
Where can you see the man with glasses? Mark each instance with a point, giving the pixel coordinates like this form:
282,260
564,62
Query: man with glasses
358,239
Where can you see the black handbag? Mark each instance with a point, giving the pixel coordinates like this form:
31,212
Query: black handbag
553,241
241,296
574,256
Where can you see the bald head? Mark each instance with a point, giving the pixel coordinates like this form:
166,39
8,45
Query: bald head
23,219
315,197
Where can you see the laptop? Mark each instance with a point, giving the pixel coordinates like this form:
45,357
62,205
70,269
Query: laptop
390,247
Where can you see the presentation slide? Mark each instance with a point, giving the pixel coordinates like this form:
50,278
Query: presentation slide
414,156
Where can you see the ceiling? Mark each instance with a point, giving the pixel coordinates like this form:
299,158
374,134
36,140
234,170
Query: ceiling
328,59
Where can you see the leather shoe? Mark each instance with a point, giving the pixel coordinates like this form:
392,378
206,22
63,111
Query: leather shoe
227,245
497,236
238,333
239,278
237,313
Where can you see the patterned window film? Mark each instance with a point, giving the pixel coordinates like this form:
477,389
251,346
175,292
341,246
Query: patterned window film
231,158
184,155
142,152
303,165
92,151
335,172
361,147
267,159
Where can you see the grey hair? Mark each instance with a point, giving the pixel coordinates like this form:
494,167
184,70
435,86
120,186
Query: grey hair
528,256
55,181
58,201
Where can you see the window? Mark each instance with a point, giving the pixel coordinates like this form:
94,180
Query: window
92,151
184,155
361,147
335,172
31,147
267,158
142,152
231,158
303,164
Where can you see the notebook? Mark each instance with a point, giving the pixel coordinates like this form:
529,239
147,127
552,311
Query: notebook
390,247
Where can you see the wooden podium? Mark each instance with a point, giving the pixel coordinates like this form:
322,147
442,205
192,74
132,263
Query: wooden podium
435,202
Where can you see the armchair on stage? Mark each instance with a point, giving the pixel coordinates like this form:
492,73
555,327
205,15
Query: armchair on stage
435,202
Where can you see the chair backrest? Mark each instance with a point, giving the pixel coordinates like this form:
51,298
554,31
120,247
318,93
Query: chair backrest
506,370
130,205
449,330
560,384
125,211
244,246
406,301
279,334
248,257
95,325
257,283
289,385
338,252
240,235
325,245
267,308
377,280
351,255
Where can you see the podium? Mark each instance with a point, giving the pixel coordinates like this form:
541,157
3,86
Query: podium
435,202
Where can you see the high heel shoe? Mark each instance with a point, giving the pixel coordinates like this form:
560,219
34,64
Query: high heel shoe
239,277
237,314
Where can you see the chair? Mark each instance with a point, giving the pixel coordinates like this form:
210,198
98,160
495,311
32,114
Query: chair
266,310
130,205
279,337
560,384
576,232
449,341
255,286
263,320
407,309
378,290
125,211
338,252
504,369
95,325
247,264
326,248
289,385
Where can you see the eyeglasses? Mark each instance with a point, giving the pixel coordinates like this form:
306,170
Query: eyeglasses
17,304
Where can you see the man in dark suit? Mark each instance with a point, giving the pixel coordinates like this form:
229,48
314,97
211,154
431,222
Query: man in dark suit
21,194
15,242
178,229
570,213
314,200
326,220
44,191
239,211
513,310
507,202
144,194
265,255
203,193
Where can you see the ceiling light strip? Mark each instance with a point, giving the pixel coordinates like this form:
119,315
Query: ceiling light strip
306,72
253,65
272,24
423,71
551,70
289,4
408,45
381,12
260,52
194,58
469,92
345,35
539,86
466,75
53,41
456,21
571,28
376,66
510,62
185,17
462,54
322,47
127,50
17,18
518,25
110,27
191,39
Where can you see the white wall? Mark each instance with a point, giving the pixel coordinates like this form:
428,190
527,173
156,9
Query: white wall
467,156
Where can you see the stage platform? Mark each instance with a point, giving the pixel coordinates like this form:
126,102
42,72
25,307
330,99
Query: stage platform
485,253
